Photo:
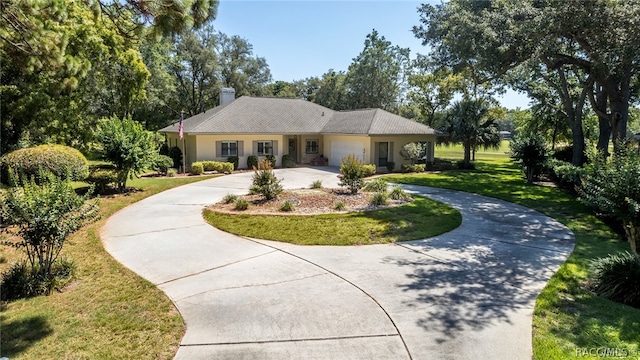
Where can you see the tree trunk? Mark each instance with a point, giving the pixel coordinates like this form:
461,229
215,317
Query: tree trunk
619,117
633,235
467,155
599,103
577,158
604,135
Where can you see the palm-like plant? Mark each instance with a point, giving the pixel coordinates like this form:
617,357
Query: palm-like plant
467,124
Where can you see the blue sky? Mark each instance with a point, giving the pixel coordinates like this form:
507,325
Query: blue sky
300,39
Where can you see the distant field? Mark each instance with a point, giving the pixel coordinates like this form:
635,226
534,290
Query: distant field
456,152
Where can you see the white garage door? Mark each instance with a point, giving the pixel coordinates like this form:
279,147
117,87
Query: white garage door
341,148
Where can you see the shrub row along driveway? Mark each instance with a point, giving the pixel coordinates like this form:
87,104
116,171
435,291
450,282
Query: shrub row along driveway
465,294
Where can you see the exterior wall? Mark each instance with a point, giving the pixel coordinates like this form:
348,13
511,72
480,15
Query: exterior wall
396,142
203,147
206,147
365,140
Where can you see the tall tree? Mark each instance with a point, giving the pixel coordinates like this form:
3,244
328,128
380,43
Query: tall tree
376,76
195,68
469,125
57,81
332,91
432,91
239,68
601,37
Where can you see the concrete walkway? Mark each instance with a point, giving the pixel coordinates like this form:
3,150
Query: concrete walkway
467,294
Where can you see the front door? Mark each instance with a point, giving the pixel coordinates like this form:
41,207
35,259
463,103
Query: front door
383,153
292,150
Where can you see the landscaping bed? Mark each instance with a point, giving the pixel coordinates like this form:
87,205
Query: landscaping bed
308,202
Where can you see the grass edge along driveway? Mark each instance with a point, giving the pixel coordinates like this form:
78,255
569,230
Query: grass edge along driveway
568,320
420,219
108,312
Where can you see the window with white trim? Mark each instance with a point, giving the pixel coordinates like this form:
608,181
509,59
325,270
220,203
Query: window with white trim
229,148
312,147
265,147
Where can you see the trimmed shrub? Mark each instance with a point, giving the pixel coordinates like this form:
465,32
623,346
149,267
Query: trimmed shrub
390,166
164,149
197,168
316,184
287,206
102,177
565,174
241,204
398,193
229,198
617,278
351,173
340,206
380,198
287,161
369,170
265,182
272,160
376,185
176,155
412,168
252,162
162,163
60,160
234,160
221,167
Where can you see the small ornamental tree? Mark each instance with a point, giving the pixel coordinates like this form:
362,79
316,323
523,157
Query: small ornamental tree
531,153
413,151
43,216
265,181
127,145
351,173
612,188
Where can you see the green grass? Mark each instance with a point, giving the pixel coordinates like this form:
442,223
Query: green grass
108,312
419,219
456,152
566,316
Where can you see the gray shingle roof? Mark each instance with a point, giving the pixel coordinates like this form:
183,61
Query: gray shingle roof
256,115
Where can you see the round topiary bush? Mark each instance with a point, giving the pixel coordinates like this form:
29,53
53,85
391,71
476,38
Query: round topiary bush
60,160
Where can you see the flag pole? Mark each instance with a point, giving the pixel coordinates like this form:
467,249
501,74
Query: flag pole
184,143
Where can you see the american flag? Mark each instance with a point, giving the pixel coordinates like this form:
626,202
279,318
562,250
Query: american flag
181,128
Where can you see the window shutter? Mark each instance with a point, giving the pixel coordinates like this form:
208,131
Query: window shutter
376,153
240,148
390,152
255,148
275,147
218,149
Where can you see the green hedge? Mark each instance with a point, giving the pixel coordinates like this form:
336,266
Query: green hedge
408,168
218,166
58,159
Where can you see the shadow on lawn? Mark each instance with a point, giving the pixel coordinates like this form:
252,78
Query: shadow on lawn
485,271
19,335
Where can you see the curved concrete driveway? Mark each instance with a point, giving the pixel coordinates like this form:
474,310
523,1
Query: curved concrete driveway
466,294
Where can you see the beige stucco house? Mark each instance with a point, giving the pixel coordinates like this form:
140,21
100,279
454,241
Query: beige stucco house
262,126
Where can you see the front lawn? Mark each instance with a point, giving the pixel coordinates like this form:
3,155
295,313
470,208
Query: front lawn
108,312
567,318
419,219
